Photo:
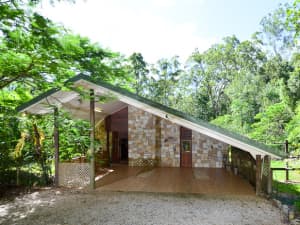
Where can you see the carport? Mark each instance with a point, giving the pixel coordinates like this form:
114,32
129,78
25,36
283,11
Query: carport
250,158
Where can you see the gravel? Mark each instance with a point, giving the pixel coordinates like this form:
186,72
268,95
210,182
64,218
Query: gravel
70,206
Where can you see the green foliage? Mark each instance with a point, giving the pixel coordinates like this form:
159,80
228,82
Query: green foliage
293,129
274,34
37,54
74,137
270,125
162,85
293,15
139,71
34,48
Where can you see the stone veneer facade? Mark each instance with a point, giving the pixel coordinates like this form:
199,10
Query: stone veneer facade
170,144
141,138
208,152
154,141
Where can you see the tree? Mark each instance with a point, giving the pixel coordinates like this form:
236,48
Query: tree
34,48
270,125
275,35
293,15
293,83
140,71
165,75
293,129
213,71
36,55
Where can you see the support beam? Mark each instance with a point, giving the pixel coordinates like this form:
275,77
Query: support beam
107,147
56,146
270,174
258,174
92,139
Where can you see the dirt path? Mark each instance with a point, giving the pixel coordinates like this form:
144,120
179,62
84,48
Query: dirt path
60,206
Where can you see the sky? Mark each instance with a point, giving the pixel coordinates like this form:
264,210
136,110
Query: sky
160,28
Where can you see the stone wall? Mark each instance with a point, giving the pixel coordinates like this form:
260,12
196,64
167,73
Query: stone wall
208,152
141,138
170,144
156,141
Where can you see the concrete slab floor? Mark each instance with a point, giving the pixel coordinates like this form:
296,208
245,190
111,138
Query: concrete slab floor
174,180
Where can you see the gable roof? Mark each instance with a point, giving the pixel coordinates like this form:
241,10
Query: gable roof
180,118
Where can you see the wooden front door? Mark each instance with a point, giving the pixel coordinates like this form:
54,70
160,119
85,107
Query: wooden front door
185,147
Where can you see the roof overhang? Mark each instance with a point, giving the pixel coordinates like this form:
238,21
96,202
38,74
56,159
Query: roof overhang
72,102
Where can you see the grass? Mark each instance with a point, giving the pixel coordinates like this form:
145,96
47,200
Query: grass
279,178
280,175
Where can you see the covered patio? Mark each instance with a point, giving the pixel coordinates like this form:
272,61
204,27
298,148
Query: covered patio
214,181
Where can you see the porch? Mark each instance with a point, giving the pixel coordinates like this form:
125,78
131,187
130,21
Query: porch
216,181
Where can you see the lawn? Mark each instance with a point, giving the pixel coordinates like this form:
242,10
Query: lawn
279,178
280,175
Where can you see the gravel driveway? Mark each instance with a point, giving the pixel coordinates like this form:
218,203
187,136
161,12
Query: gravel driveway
62,206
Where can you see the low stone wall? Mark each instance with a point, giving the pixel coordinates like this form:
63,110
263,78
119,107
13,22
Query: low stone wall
74,174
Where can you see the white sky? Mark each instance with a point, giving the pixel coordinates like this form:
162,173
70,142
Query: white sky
160,28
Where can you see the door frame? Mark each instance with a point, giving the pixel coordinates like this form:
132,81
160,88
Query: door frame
186,136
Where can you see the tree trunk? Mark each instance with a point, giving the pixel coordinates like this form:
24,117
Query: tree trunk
18,176
38,149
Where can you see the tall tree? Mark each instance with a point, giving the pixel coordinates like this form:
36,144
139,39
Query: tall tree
274,34
165,75
293,15
271,124
140,71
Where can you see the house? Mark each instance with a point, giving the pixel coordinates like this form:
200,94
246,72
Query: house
140,132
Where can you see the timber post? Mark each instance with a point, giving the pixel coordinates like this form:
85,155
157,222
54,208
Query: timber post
269,174
92,139
56,146
287,172
258,174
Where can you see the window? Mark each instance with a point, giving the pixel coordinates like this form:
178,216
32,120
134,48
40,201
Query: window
186,145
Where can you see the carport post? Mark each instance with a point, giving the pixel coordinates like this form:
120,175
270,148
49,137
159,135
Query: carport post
92,139
258,174
56,146
270,174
